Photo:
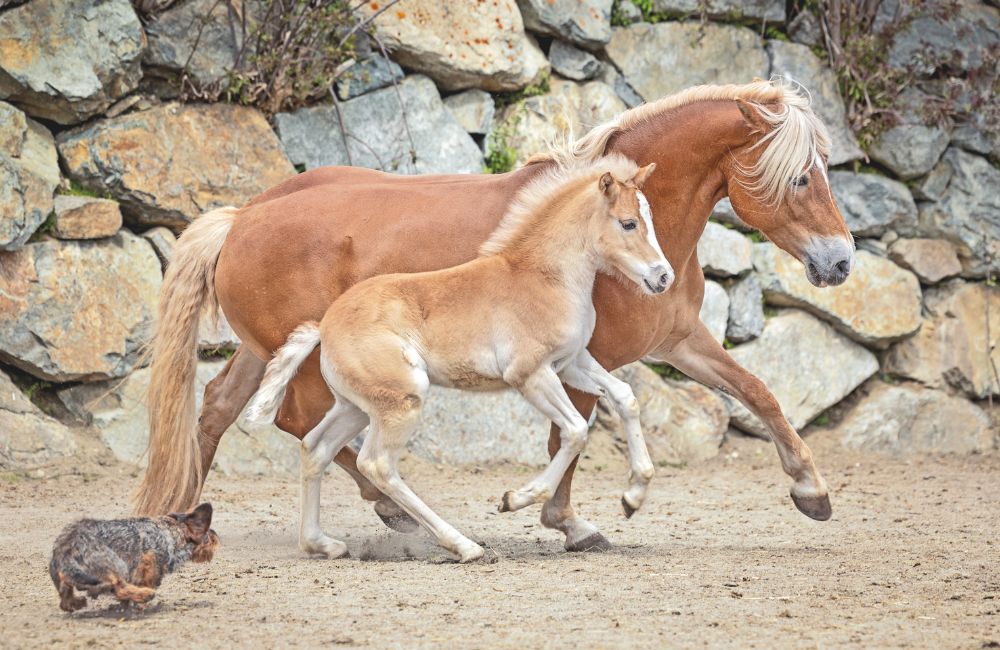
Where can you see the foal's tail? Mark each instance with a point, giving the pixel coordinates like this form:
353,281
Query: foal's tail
281,369
174,476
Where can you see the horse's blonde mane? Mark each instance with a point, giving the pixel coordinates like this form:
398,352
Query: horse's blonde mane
548,186
795,139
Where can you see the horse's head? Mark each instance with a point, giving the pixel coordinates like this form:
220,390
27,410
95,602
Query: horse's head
778,184
623,233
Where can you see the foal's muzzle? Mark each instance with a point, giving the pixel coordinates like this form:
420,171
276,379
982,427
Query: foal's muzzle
659,279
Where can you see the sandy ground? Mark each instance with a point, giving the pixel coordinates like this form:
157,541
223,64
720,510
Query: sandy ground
718,557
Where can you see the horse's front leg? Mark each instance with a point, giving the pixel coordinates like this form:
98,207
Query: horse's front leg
587,375
558,513
700,357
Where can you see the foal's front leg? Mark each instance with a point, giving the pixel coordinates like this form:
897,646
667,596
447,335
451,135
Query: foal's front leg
589,376
544,390
700,357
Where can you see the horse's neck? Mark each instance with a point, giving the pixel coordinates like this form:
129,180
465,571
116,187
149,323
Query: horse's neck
689,145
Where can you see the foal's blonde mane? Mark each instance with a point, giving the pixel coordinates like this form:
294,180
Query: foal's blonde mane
795,140
532,199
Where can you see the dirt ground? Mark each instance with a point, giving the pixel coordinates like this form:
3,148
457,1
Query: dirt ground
718,557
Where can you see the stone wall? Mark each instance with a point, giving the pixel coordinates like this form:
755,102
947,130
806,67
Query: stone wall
101,168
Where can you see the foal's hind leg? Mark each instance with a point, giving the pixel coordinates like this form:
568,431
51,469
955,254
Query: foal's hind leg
545,392
337,428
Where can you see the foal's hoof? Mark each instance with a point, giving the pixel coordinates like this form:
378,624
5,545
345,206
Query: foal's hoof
629,510
593,542
817,508
505,502
394,517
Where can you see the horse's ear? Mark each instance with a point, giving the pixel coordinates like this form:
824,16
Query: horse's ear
750,115
642,175
607,184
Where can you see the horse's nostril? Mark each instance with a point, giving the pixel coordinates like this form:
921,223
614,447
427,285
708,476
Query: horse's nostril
843,266
664,279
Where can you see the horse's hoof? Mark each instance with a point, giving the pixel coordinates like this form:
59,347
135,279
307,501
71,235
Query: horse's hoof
396,519
505,502
471,554
593,542
817,508
629,510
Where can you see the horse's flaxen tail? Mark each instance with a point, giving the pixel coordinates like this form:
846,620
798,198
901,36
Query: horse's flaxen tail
174,476
281,369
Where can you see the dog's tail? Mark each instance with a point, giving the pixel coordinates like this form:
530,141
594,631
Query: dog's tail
281,369
174,476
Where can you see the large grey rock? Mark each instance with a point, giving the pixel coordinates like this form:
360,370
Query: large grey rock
908,419
77,310
723,213
723,252
952,347
481,46
29,174
806,364
573,63
932,260
199,38
968,212
473,110
794,61
169,164
372,74
530,126
958,36
746,310
714,311
84,217
584,22
911,147
667,57
805,29
460,428
872,204
877,305
769,11
28,437
683,422
609,76
117,410
67,60
377,135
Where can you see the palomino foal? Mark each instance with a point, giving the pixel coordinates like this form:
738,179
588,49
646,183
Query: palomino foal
520,315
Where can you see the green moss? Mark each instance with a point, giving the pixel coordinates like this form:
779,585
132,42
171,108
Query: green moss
501,157
503,100
822,420
667,371
756,237
75,189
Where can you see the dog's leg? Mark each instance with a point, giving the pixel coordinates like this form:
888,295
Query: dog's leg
147,574
68,601
127,592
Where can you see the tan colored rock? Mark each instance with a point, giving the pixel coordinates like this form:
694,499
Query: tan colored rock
28,437
167,165
84,217
932,260
909,419
483,45
951,346
77,310
29,174
877,305
569,107
805,363
683,421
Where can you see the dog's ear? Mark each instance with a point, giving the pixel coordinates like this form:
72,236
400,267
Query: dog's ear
198,521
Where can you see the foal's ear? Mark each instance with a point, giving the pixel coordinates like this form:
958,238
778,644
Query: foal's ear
751,115
608,186
642,175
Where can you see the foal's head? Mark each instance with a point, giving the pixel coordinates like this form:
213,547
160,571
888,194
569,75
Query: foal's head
779,185
622,232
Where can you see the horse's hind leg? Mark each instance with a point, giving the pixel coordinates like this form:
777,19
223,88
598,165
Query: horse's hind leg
558,512
226,395
336,429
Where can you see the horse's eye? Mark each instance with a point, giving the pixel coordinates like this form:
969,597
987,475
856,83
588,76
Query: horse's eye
628,225
801,181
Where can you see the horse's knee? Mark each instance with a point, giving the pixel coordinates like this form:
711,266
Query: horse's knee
574,435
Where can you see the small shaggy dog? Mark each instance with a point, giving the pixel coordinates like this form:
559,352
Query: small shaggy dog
128,557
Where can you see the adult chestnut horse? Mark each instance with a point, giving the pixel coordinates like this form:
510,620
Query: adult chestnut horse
283,258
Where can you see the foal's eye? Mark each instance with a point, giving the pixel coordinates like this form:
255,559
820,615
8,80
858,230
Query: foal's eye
801,181
628,225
